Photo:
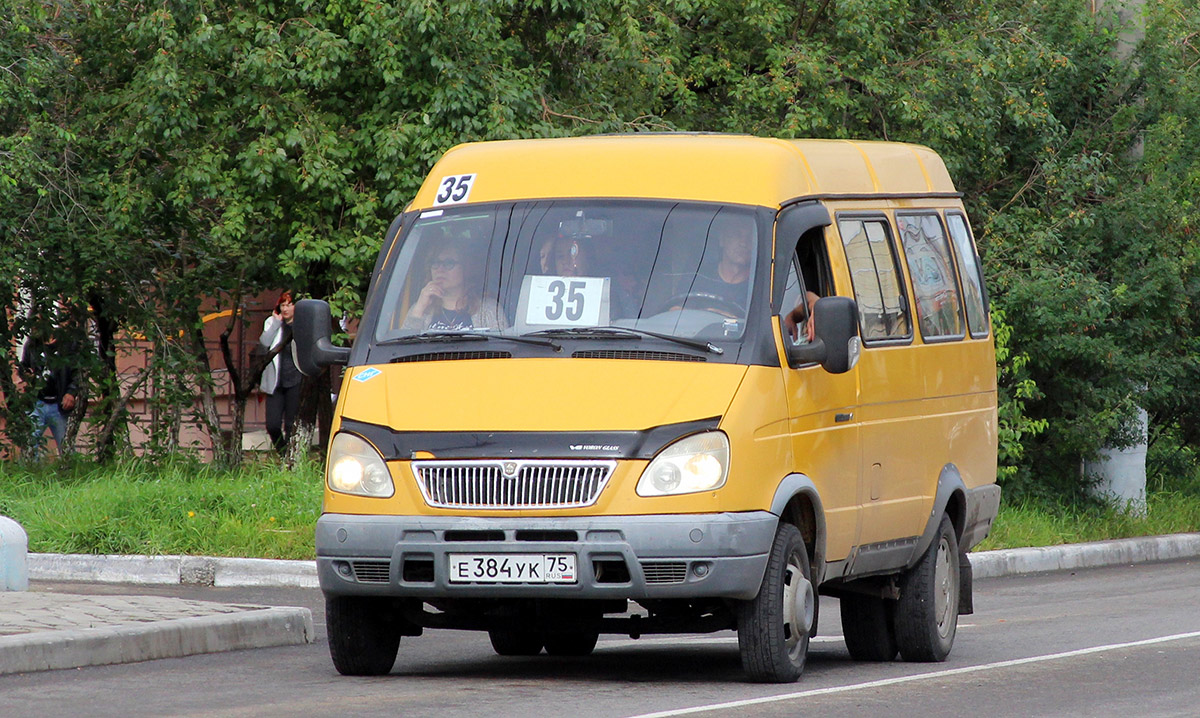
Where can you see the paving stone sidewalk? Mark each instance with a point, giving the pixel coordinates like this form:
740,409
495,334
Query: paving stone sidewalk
34,611
44,630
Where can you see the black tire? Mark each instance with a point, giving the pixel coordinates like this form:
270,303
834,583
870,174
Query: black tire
773,627
364,634
927,612
515,642
867,625
572,643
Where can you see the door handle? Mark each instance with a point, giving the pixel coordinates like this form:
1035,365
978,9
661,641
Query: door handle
839,418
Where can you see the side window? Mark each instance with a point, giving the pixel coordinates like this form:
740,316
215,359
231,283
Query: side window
793,293
878,288
939,308
969,271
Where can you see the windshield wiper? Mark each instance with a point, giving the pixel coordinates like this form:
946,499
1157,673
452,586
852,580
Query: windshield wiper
609,332
433,337
577,332
465,336
525,340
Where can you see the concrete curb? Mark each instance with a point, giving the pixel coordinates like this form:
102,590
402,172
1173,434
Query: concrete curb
212,571
259,628
1020,561
166,570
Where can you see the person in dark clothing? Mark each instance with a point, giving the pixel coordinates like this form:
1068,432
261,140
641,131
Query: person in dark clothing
281,379
46,368
729,282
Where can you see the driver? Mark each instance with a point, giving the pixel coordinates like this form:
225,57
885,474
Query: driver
735,240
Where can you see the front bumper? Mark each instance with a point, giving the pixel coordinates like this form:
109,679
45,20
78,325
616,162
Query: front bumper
664,556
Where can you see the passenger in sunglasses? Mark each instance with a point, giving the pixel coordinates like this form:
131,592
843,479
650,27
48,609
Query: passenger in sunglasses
452,298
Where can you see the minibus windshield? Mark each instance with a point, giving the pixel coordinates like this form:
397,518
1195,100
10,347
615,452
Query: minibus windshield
564,268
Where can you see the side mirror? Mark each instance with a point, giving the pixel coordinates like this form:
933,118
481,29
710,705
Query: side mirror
837,345
311,331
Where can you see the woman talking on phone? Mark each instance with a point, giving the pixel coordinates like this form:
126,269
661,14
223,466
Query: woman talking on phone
281,379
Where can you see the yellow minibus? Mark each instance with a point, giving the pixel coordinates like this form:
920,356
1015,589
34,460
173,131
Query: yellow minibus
662,383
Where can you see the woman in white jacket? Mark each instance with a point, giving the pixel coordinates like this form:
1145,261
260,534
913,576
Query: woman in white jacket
281,379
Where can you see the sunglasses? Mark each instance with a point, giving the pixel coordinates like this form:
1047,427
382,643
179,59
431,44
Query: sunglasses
445,263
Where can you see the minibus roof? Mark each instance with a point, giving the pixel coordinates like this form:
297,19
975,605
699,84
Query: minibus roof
737,169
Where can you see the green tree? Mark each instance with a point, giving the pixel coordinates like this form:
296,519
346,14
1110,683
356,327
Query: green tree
42,213
205,147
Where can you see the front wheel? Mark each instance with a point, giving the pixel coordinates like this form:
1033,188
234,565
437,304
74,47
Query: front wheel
364,634
927,612
773,627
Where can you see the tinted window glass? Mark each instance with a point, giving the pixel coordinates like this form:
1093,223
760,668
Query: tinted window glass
968,269
939,310
877,285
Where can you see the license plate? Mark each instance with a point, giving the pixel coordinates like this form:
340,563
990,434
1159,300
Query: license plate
512,568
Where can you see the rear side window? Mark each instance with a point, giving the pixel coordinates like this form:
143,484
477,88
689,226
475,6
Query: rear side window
878,288
968,270
939,308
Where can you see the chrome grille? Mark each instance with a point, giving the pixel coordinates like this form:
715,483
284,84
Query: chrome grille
371,571
499,484
664,571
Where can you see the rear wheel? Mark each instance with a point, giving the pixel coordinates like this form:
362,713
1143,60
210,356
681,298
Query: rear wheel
515,642
571,643
927,612
773,628
364,634
867,627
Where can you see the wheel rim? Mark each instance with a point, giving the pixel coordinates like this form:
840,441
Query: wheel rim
946,589
799,607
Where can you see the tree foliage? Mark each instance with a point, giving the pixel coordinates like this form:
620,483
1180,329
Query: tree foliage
173,149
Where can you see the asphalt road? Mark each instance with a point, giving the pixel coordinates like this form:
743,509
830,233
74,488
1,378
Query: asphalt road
1105,642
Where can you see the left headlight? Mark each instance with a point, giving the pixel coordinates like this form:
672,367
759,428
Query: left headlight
694,463
355,467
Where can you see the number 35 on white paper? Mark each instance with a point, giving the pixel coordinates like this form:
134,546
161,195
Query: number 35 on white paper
454,189
565,301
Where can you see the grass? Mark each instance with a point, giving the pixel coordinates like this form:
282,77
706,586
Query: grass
174,507
1035,524
265,510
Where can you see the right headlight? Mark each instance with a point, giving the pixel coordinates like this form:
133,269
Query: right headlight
694,463
355,467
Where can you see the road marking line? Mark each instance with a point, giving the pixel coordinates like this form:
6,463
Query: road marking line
920,676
